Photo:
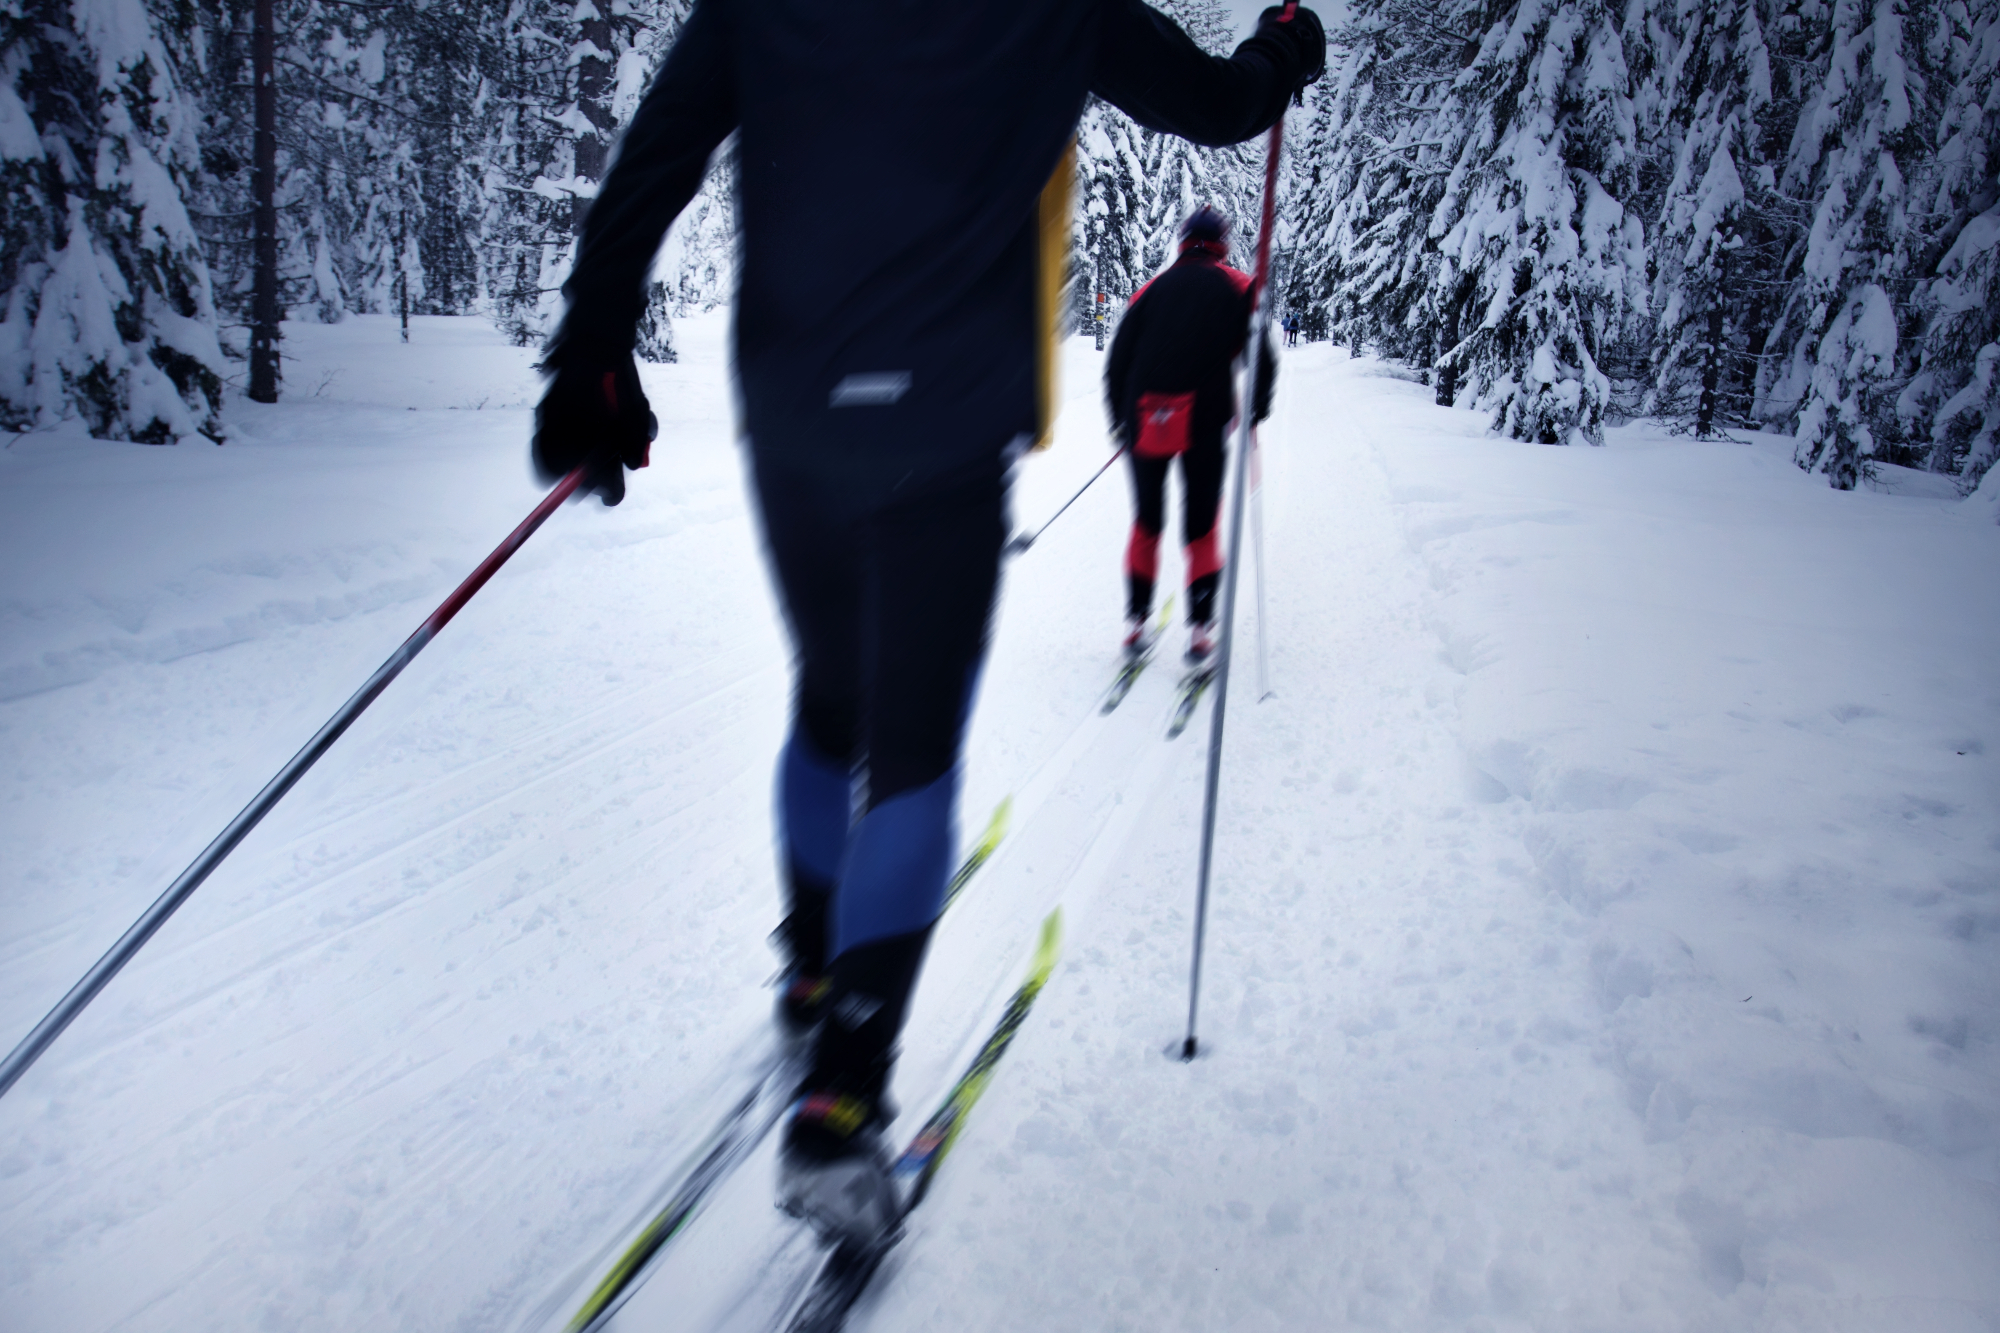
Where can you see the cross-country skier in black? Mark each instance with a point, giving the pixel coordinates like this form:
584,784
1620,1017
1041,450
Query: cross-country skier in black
901,274
1171,394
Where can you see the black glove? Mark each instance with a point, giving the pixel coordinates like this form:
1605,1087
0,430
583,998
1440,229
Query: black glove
593,413
1304,35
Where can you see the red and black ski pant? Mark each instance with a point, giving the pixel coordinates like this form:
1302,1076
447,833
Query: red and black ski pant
1201,483
889,599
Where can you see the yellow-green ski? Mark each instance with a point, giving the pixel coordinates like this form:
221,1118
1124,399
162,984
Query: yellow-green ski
746,1125
982,851
847,1270
919,1161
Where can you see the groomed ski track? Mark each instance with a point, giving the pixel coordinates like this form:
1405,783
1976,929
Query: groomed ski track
1478,1052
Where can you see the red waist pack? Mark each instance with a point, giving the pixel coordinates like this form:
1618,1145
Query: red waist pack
1164,420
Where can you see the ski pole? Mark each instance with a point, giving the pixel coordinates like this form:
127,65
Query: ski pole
190,879
1020,544
1259,326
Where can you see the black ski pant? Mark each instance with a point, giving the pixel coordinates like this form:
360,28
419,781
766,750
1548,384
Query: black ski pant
889,600
1201,482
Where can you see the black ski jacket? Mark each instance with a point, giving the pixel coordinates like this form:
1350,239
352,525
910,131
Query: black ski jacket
890,158
1181,334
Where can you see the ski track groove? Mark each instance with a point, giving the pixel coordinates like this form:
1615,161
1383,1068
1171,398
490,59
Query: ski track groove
404,843
444,783
665,831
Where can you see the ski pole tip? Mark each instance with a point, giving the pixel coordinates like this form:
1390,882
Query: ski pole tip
1019,544
1187,1049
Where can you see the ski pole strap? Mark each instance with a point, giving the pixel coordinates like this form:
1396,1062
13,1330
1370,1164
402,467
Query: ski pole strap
143,929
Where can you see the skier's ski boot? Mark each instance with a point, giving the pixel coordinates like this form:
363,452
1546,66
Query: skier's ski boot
834,1170
1137,641
802,1000
804,988
1201,647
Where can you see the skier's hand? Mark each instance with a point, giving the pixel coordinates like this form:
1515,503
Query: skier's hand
1304,35
593,412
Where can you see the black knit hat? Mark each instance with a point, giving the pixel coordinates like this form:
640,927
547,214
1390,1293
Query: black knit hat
1205,224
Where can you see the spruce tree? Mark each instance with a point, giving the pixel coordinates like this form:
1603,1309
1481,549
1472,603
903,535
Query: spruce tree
576,74
1382,162
1543,142
1952,402
1305,217
1112,217
1716,91
109,316
1852,154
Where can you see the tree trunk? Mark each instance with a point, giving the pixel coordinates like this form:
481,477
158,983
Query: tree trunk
1447,392
403,273
1711,373
264,188
1711,357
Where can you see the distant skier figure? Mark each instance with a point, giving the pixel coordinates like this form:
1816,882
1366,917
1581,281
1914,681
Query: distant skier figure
1171,393
902,174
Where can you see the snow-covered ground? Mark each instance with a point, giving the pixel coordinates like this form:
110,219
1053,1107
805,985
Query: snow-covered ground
1604,936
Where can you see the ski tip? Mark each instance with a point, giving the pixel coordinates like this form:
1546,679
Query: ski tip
1050,944
996,827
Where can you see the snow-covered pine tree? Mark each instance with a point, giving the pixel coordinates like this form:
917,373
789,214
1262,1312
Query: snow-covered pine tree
1382,166
577,68
1954,398
1713,256
1111,222
1543,142
379,163
108,314
1861,135
443,58
1305,213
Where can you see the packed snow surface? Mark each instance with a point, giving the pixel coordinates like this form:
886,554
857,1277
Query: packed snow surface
1604,932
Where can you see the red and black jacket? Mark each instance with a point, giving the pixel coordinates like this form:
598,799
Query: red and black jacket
1181,334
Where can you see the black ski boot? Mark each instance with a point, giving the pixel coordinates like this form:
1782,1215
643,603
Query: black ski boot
804,986
834,1163
834,1169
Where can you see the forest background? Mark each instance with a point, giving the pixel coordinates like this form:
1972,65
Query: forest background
1779,215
